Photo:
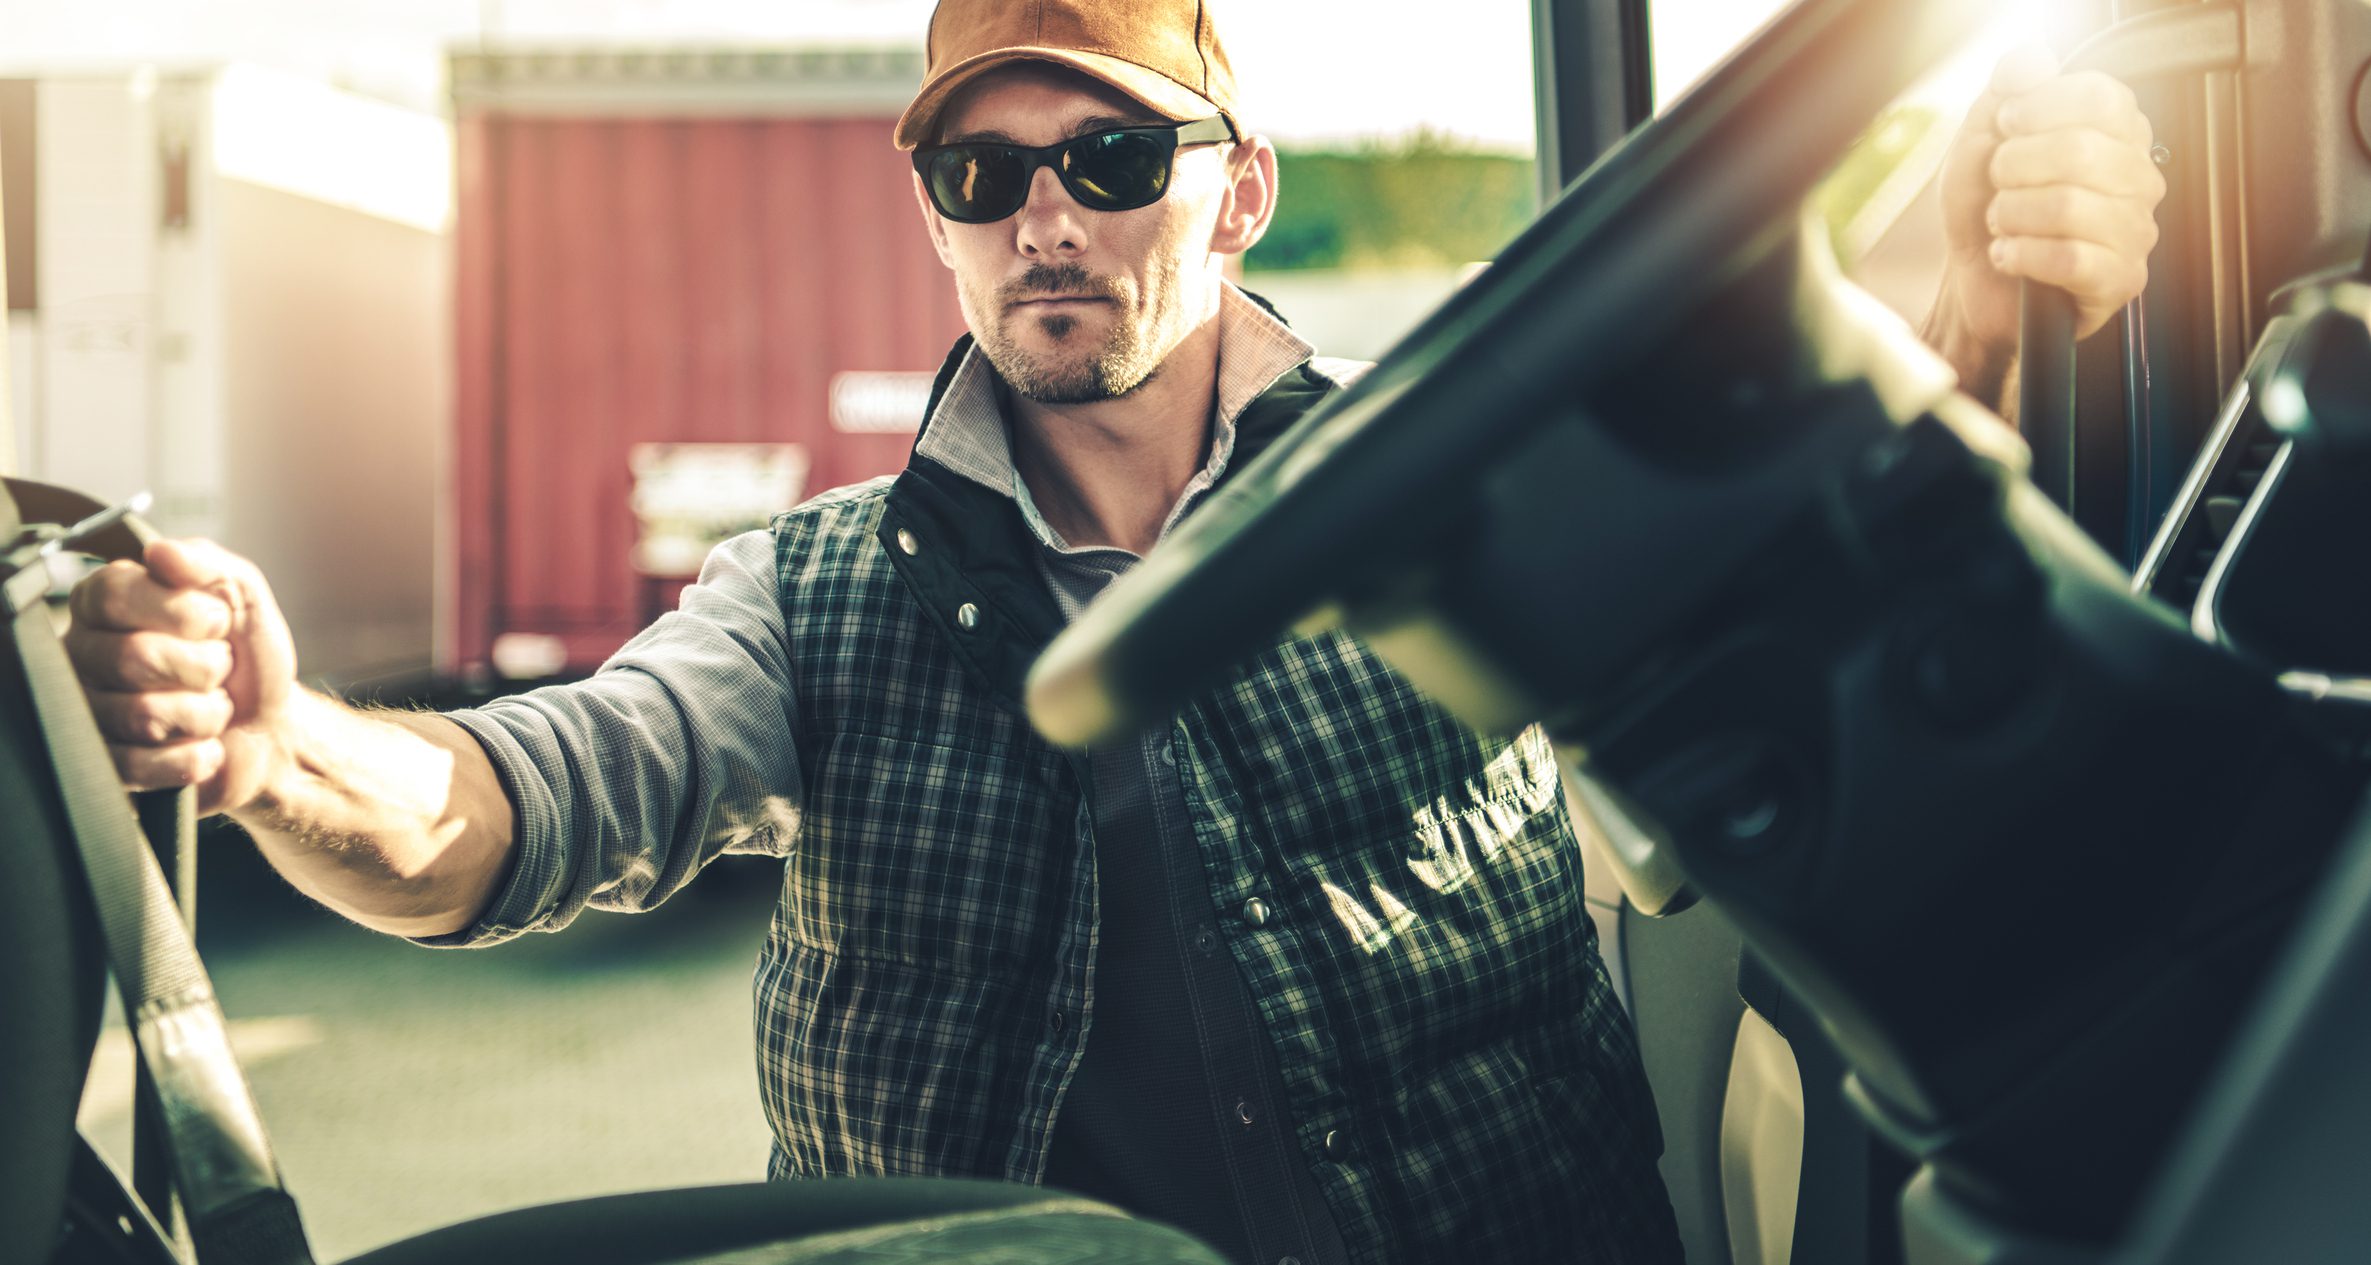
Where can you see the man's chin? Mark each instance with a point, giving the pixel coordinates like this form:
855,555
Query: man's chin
1058,336
1082,384
1070,381
1059,375
1064,393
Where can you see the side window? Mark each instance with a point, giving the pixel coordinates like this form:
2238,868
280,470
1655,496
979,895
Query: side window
1687,38
1408,161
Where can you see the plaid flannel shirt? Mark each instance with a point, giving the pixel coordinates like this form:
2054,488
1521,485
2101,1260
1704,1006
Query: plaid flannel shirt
1402,895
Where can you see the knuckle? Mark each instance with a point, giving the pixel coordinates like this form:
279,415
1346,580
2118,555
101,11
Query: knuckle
94,594
193,615
150,724
2056,260
150,768
2013,211
196,669
155,659
2004,164
142,659
2084,270
120,604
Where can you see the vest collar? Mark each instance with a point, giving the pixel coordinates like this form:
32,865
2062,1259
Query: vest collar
973,568
968,429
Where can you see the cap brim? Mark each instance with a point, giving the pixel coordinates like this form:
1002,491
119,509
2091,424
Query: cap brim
1156,92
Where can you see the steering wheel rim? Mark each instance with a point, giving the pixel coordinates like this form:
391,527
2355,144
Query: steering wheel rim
1655,228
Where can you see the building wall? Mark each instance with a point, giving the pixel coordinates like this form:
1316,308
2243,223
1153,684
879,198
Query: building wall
338,326
273,366
114,358
661,279
95,202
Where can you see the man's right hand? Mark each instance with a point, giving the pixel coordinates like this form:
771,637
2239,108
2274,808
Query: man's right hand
189,669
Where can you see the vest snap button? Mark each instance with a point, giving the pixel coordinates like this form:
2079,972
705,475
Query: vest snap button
968,616
907,541
1255,912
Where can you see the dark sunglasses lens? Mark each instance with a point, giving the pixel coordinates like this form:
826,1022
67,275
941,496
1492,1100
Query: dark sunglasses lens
1118,170
977,182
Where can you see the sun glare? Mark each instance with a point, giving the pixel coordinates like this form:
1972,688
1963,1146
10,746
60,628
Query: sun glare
1691,37
1955,85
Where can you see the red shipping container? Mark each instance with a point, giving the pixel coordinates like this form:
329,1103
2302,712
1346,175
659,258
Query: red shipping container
643,262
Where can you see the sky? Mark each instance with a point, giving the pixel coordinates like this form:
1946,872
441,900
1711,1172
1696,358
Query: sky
1312,70
1310,73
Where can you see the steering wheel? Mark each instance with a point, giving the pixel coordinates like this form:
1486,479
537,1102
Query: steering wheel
1653,243
1658,483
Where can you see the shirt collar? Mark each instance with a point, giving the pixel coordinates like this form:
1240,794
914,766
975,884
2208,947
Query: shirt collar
969,434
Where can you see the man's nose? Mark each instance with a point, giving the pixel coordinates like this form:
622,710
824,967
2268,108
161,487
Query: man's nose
1050,224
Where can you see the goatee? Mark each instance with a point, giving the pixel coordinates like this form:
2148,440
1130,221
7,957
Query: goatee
1071,375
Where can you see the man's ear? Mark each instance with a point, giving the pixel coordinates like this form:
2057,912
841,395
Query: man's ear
931,221
1251,197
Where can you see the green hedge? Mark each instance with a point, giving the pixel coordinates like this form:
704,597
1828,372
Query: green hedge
1419,201
1428,201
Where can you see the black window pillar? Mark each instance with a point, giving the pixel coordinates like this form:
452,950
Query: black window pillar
1594,82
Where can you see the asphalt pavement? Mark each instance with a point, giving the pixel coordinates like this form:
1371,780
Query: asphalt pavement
408,1088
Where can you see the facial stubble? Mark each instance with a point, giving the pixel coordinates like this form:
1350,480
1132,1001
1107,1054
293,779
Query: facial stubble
1071,374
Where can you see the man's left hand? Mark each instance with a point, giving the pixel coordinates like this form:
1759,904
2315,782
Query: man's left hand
2050,179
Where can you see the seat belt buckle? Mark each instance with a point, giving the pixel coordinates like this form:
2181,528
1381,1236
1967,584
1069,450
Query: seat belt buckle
26,561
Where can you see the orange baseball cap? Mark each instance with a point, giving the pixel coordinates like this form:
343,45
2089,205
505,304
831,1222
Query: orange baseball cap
1164,53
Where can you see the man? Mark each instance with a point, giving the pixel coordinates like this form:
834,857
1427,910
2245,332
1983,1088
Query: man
1304,971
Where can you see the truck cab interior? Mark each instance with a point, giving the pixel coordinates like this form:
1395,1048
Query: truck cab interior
1979,819
1970,909
2152,438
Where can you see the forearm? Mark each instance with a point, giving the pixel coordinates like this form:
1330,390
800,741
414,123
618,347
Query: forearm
394,819
1987,370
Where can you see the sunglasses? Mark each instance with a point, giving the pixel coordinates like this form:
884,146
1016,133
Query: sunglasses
981,182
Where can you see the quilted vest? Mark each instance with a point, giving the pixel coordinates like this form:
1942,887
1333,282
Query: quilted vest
1426,969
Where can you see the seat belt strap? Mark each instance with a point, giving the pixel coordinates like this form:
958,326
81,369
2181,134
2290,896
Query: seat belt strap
238,1211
